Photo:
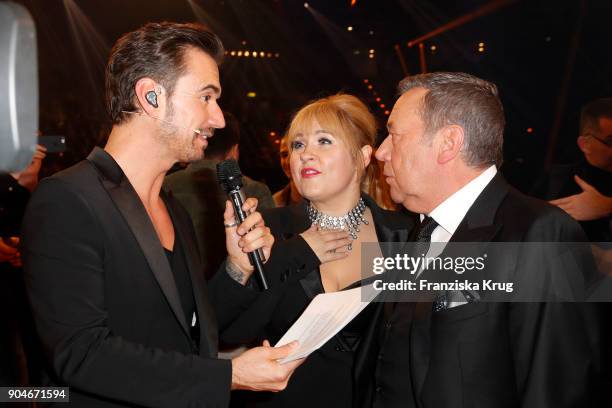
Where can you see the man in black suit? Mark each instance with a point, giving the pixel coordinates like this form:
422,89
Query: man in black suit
111,261
440,159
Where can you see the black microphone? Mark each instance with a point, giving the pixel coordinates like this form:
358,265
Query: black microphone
230,178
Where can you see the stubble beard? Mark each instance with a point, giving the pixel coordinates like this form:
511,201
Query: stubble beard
179,145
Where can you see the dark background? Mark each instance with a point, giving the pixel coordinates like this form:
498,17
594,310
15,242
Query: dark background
527,46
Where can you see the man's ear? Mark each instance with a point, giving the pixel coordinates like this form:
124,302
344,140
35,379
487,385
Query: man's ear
583,144
366,152
451,139
144,86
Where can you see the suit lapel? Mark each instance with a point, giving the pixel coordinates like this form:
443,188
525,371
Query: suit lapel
478,225
131,208
208,338
390,228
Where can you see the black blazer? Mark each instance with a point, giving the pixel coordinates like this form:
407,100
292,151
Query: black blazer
326,377
498,354
104,298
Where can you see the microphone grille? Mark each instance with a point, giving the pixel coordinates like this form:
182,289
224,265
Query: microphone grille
228,175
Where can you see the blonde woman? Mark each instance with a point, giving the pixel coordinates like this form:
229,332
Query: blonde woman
318,247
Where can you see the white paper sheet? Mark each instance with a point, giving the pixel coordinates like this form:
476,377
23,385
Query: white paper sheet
325,316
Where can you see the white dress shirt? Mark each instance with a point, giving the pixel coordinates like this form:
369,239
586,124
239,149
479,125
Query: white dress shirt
451,212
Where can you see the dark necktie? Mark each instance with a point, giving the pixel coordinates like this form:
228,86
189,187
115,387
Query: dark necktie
423,236
423,242
428,225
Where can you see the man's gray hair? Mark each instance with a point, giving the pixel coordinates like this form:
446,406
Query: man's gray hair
456,98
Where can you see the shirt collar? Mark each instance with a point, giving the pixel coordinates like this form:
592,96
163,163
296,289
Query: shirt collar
451,211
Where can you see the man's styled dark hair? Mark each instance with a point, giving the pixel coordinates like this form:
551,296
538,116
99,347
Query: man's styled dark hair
465,100
155,50
592,112
224,139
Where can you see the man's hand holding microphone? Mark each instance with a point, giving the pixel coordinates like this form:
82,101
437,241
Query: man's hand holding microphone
257,369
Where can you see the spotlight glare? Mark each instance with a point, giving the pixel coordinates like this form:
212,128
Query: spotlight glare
262,54
372,51
433,48
529,130
246,53
305,5
370,87
277,55
481,44
387,112
371,56
243,42
240,53
349,28
365,81
377,99
251,94
382,106
269,55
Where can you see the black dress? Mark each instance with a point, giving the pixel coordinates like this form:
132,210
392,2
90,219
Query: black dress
325,379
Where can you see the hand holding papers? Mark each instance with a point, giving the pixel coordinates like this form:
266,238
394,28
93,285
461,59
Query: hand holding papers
325,316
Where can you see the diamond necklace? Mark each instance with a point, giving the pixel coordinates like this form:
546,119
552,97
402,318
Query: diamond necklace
349,221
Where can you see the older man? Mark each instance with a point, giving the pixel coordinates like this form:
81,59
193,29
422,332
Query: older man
440,160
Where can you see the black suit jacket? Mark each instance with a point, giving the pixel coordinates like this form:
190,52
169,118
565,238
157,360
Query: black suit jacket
497,354
104,298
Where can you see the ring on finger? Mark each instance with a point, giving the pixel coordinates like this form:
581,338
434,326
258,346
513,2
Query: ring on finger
233,224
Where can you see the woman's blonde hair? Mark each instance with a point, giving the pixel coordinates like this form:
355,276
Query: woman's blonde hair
345,117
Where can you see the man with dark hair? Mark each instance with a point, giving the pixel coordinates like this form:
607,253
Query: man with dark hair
458,350
198,190
584,189
111,262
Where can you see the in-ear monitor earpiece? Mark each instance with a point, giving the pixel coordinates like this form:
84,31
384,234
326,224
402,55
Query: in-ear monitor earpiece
151,98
